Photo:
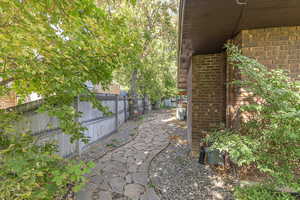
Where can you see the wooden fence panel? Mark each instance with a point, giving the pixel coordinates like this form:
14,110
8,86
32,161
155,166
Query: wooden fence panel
97,123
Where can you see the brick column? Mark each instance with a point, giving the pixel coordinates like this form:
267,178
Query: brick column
207,100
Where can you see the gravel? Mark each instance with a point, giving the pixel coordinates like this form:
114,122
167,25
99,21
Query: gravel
175,175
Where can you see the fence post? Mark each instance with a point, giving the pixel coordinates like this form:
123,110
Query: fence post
144,104
77,145
125,109
117,112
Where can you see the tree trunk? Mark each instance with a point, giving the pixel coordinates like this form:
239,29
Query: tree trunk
145,104
133,100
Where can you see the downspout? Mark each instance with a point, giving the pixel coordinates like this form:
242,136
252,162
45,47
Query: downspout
180,25
238,22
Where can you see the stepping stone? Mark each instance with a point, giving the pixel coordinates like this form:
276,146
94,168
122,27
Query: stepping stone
140,156
105,195
117,184
140,178
134,191
128,178
150,195
104,185
132,167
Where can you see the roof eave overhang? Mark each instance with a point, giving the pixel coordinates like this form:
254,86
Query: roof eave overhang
179,62
205,25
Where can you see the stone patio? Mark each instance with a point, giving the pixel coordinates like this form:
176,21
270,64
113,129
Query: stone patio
122,174
149,160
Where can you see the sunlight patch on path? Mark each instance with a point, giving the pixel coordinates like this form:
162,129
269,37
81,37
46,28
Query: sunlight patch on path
123,173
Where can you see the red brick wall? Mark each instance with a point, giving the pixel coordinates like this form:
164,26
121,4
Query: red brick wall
190,104
207,86
273,47
8,101
211,102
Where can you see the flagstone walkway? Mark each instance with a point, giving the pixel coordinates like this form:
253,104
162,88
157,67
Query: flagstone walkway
122,174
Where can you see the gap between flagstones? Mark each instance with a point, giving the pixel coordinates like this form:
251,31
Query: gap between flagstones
122,174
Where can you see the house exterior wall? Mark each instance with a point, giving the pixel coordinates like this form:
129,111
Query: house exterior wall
114,88
276,48
206,89
8,101
212,101
190,105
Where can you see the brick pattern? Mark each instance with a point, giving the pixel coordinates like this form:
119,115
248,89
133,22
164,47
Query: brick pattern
211,102
276,48
190,104
8,101
207,103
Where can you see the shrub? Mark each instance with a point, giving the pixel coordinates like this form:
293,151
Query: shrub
270,138
260,192
34,172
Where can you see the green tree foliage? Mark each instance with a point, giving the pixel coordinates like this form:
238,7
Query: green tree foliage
270,138
154,71
52,47
30,171
157,74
